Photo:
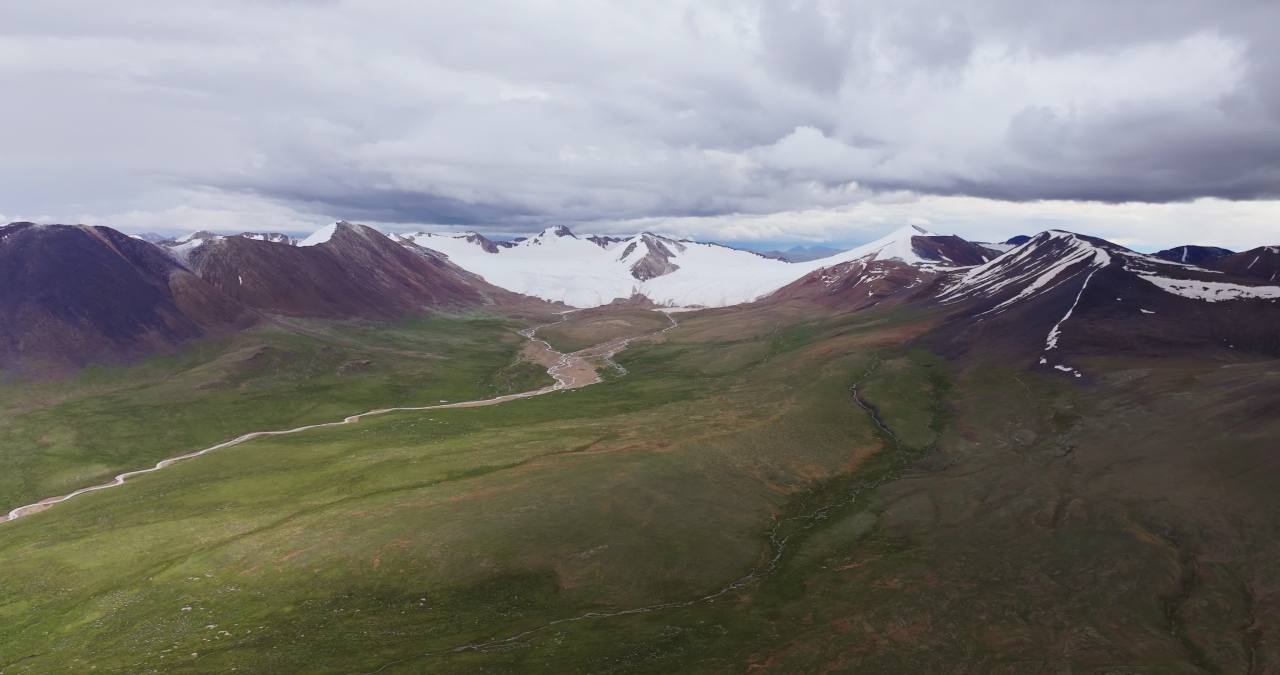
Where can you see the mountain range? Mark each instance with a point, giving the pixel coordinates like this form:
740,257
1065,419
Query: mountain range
124,297
74,295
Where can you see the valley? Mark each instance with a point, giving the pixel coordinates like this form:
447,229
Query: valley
877,467
640,338
813,469
569,371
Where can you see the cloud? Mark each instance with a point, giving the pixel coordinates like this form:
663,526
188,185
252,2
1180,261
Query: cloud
513,115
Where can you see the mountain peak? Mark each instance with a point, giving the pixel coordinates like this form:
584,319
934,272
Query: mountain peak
557,231
323,234
896,245
196,236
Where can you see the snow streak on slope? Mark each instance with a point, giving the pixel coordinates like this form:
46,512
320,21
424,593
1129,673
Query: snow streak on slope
586,272
1035,267
1051,341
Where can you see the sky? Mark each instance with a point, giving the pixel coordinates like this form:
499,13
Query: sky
1149,123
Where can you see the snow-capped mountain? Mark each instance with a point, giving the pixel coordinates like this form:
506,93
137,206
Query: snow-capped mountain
181,248
558,265
873,273
1053,257
274,237
341,270
586,272
1056,299
1061,295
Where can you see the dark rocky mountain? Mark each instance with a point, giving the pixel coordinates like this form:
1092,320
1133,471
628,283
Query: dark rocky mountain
1061,295
1191,254
950,250
71,295
1259,263
1017,240
355,272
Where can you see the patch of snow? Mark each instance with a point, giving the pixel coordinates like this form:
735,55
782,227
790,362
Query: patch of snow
182,252
1251,263
1146,311
1211,291
320,236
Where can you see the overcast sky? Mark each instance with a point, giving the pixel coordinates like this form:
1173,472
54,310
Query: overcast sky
1150,123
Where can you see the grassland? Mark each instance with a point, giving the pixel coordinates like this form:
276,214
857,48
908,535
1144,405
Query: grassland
56,436
725,506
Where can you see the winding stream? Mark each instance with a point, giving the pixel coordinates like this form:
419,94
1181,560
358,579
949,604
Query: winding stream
570,371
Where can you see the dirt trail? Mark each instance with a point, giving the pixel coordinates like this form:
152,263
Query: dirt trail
571,371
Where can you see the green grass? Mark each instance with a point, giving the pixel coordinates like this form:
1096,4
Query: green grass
58,436
503,518
1002,516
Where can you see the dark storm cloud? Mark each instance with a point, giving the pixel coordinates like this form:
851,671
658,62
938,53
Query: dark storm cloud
510,115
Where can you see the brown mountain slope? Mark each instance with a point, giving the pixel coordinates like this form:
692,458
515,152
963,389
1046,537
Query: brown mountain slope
1192,254
1260,263
70,295
357,272
856,284
869,280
